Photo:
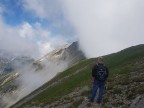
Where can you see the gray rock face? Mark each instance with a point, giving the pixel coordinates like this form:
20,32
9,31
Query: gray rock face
74,53
138,102
69,53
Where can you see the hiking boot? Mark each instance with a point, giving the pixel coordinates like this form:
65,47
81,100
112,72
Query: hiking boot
91,100
89,97
98,101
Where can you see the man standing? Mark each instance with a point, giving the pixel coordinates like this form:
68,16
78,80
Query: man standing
100,74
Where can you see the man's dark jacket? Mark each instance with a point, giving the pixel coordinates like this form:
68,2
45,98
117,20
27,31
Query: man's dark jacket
95,71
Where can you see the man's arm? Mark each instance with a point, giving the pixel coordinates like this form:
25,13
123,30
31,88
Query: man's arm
107,72
93,74
94,71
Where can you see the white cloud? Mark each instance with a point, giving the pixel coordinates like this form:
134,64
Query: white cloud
42,37
26,39
106,26
51,11
11,41
34,32
26,31
102,27
33,39
44,8
45,47
51,44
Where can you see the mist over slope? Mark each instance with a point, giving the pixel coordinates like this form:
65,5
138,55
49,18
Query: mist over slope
33,75
72,87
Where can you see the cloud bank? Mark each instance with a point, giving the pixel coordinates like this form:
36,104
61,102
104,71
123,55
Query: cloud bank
102,27
29,80
52,11
106,26
28,39
11,41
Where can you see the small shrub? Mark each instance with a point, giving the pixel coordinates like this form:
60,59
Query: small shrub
124,80
110,86
138,79
76,103
140,89
117,91
106,99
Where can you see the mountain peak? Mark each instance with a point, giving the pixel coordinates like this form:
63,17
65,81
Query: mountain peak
69,53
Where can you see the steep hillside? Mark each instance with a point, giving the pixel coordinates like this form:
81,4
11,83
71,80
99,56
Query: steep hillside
12,81
71,88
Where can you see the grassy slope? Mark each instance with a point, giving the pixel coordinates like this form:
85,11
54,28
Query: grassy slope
118,63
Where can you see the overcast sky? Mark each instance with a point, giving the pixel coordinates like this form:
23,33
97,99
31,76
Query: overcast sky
36,27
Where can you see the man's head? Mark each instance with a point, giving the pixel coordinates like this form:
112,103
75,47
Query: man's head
100,60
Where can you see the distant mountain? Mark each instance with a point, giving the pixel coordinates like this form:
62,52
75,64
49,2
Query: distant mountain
10,62
21,61
5,61
66,54
72,87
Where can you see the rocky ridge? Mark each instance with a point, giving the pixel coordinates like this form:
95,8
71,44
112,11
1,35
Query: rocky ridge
66,53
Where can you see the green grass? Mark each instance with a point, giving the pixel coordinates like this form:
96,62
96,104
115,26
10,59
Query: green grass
138,79
118,63
56,92
69,71
76,103
117,90
137,90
